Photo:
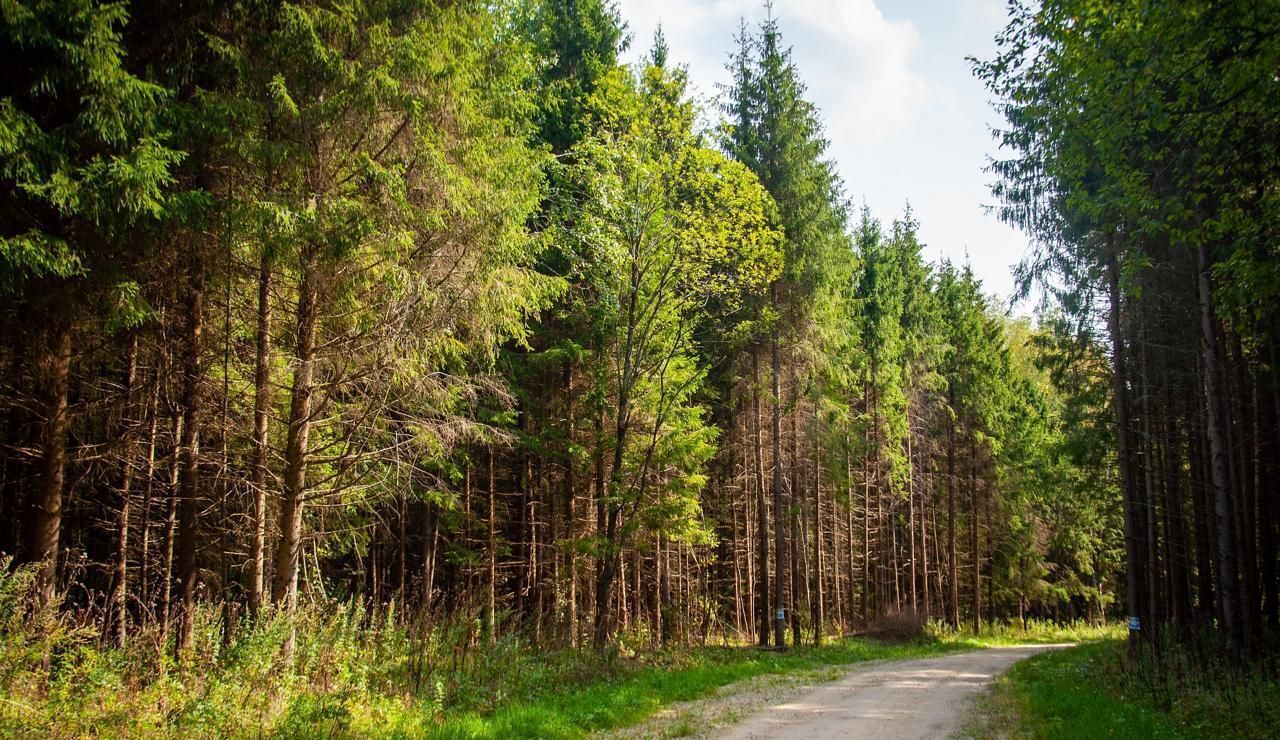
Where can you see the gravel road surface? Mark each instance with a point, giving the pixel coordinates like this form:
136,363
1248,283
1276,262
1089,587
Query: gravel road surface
923,698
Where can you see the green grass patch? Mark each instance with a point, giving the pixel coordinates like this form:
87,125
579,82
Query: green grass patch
359,674
1085,692
637,692
1032,633
351,677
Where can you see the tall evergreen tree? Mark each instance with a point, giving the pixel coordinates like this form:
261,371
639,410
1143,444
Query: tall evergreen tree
84,165
776,132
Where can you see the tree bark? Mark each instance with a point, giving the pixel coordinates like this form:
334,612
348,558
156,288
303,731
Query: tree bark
779,518
976,616
797,519
1119,392
261,416
819,617
911,519
171,523
762,514
1201,511
119,621
44,523
571,507
189,476
284,590
1228,570
144,558
491,602
604,584
952,580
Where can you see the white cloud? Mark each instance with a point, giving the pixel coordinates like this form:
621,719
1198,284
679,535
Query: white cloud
994,11
857,62
905,118
869,75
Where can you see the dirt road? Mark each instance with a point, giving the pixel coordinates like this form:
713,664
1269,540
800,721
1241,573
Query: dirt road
924,698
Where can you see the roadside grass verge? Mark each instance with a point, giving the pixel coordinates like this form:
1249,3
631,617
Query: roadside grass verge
354,678
350,678
1085,693
645,686
356,673
1033,632
636,692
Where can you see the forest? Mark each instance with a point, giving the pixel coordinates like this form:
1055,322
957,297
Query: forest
433,329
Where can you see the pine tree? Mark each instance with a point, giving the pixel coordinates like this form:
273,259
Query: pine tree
84,166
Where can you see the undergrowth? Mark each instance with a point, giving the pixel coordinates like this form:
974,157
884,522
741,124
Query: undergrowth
1090,692
1036,632
353,673
356,673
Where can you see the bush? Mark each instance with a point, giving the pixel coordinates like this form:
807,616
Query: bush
906,625
1031,631
353,673
1090,691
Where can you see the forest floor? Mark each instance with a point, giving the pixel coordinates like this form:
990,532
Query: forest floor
703,690
916,698
636,700
350,677
1087,693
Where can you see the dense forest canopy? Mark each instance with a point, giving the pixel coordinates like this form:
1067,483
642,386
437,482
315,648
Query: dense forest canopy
440,310
1141,145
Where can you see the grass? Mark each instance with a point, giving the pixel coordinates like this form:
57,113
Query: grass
361,674
635,693
1032,633
353,676
350,678
1086,693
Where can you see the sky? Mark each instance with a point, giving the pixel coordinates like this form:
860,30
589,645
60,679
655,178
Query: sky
906,118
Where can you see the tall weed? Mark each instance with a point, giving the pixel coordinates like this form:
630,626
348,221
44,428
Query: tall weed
353,671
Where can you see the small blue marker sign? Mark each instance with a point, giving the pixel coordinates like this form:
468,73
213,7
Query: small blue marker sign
1135,624
782,615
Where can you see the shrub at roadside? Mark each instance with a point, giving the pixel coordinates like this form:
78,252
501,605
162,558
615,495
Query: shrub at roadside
1087,692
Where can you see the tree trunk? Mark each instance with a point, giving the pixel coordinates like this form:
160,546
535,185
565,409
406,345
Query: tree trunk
44,523
604,584
189,476
402,554
1147,450
779,518
976,616
762,514
171,524
923,518
911,519
119,621
571,507
144,558
733,556
797,520
284,590
1216,422
867,477
1119,392
261,416
491,547
1201,508
1270,493
598,485
818,616
430,553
